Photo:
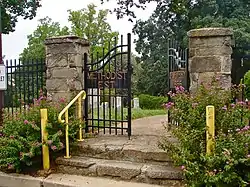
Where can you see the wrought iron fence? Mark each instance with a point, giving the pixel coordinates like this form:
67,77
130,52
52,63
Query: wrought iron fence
25,82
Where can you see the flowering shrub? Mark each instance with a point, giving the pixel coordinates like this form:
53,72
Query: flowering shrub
20,136
229,165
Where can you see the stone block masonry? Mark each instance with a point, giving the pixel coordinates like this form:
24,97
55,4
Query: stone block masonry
210,52
64,61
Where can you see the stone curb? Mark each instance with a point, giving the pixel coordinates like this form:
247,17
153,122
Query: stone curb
17,180
61,180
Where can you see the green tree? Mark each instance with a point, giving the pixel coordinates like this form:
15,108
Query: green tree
36,48
93,26
11,10
86,23
173,19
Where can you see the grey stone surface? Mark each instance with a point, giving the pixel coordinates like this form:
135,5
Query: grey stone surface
76,161
62,180
120,169
15,180
64,60
201,64
210,52
138,159
123,169
210,32
66,39
163,172
142,147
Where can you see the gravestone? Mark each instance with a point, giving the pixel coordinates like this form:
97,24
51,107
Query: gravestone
118,103
94,98
136,103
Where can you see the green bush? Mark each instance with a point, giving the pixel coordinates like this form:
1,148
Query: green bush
20,136
151,102
228,165
247,83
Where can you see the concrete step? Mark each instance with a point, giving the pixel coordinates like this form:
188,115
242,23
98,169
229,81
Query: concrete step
122,170
65,180
140,149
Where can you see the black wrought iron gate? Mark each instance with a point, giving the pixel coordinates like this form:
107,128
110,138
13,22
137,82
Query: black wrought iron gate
177,70
178,66
107,81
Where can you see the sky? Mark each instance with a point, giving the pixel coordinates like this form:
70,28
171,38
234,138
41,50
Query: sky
14,43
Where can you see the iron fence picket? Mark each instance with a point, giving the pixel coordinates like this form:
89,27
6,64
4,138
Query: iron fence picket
24,80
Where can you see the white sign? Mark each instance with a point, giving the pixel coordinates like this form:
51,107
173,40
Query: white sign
3,77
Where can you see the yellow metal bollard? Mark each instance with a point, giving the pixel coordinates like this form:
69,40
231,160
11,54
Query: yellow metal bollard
67,134
210,133
80,118
45,148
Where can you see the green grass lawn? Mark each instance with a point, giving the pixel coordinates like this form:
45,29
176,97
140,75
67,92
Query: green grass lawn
118,115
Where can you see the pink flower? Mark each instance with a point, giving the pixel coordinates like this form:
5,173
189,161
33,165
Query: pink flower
182,167
12,137
194,105
169,105
50,142
248,156
10,166
171,94
242,103
53,147
224,108
179,89
62,100
26,121
232,105
246,128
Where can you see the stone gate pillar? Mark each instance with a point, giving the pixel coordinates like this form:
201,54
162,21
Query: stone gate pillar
64,60
210,52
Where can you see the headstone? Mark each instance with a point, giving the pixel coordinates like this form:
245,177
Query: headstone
136,103
93,98
105,105
118,103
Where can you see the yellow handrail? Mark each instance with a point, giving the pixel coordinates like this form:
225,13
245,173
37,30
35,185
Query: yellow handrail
79,98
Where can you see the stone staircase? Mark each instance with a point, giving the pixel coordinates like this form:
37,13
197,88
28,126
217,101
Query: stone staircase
116,157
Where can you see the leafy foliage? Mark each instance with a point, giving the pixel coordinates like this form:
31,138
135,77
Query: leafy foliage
173,19
11,10
20,136
85,23
36,49
228,165
151,102
247,83
93,26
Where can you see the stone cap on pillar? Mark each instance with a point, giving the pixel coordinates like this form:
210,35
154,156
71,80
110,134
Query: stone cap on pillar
210,32
66,39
